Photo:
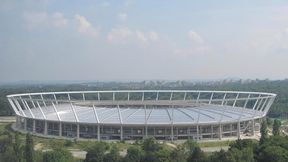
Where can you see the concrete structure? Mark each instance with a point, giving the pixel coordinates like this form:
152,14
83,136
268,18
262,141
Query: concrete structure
131,115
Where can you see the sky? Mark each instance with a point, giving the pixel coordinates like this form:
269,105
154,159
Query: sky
124,40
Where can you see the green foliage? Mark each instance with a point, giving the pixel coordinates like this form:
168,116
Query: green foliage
197,156
96,153
113,155
273,154
29,148
134,154
263,131
178,154
57,155
276,127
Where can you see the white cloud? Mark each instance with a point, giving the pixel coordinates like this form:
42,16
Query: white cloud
85,27
153,36
59,20
195,37
122,16
35,20
123,35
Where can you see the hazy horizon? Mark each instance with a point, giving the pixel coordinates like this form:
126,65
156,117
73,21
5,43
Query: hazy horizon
49,40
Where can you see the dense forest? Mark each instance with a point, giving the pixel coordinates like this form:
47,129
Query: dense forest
278,110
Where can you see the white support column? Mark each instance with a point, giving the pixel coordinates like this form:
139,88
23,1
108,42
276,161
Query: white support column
223,100
25,103
220,131
60,129
43,100
69,98
13,106
25,124
261,109
121,123
55,98
247,101
198,97
32,101
271,100
20,108
211,98
34,126
44,116
238,130
253,127
83,96
78,131
98,132
113,96
185,94
98,95
146,127
143,96
256,102
73,110
235,100
171,96
55,109
197,132
128,96
260,103
157,96
172,122
96,115
45,127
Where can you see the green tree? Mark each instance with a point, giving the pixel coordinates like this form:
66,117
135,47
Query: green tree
178,154
150,147
113,155
57,155
29,148
276,127
197,156
96,153
273,154
134,154
263,131
17,148
190,146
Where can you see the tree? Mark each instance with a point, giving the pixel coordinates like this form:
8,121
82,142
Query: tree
57,155
197,156
113,155
178,154
134,154
150,147
263,131
17,148
273,154
29,148
190,145
276,127
96,153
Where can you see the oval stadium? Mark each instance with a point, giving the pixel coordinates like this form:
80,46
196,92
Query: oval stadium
133,115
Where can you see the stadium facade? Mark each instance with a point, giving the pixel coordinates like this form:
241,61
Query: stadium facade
132,115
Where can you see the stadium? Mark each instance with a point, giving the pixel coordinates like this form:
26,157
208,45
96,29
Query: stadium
133,115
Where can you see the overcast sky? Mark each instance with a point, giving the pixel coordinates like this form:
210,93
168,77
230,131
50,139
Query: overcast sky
148,39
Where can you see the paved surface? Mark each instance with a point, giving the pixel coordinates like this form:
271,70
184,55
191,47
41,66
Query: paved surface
7,119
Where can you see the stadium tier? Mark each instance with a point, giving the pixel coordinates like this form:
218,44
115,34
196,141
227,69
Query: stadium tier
132,115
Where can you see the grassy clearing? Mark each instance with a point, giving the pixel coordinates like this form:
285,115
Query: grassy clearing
215,143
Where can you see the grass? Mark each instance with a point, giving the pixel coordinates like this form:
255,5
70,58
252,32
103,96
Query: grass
215,143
